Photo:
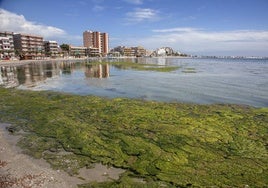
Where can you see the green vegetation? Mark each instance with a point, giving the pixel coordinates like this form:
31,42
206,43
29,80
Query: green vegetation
144,67
65,47
139,66
163,144
189,70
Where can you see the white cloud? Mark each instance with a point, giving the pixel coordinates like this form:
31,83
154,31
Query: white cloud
12,22
196,35
201,41
17,23
139,15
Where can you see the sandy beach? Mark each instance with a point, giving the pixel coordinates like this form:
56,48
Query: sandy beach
18,170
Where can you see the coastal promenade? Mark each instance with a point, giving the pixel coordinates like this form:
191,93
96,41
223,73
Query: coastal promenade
25,62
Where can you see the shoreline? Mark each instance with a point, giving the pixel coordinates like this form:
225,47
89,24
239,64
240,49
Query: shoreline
20,170
25,62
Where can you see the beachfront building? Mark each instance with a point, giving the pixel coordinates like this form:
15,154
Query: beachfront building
129,52
114,54
117,50
139,51
6,45
164,51
96,39
135,51
93,52
51,48
28,46
77,51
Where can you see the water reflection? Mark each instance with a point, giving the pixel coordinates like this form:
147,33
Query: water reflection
216,81
97,71
28,75
9,77
158,61
67,67
31,74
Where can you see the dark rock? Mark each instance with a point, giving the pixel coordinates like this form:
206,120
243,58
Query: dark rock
11,129
53,150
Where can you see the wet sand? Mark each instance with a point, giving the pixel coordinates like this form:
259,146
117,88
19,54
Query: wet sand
20,170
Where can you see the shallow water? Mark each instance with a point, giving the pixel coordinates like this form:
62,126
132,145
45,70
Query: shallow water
202,81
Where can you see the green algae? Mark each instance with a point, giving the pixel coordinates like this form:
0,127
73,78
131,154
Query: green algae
138,66
189,70
166,144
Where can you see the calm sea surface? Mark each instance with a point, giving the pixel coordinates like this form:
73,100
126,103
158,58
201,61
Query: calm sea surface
203,81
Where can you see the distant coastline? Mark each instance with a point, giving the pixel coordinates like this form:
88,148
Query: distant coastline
70,59
232,57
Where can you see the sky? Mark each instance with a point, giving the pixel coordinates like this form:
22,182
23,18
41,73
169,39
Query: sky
197,27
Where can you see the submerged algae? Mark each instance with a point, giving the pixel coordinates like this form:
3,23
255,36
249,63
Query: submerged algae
171,144
138,66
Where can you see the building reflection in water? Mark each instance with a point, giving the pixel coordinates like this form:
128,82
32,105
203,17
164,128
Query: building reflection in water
159,61
28,75
67,67
9,77
31,74
97,71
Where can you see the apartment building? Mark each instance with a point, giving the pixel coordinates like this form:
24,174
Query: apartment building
128,51
135,51
93,52
28,46
104,43
95,39
140,51
51,48
6,45
77,51
118,49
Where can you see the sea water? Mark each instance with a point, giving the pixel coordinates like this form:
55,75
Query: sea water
197,80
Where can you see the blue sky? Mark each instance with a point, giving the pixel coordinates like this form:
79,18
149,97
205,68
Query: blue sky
199,27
